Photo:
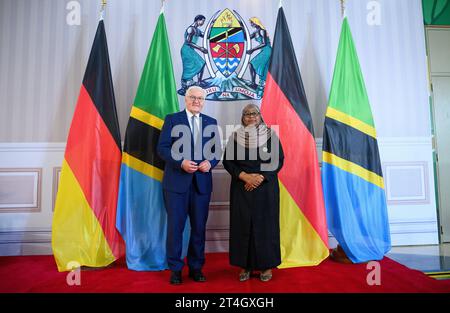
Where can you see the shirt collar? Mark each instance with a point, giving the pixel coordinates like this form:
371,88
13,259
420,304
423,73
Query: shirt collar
189,114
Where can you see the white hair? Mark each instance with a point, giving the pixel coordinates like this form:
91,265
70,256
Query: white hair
188,92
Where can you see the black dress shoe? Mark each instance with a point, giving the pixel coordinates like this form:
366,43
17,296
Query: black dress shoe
175,278
197,275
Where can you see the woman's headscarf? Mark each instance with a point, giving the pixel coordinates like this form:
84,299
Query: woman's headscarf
252,136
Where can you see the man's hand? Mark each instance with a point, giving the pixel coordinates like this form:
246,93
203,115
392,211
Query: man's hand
205,166
189,166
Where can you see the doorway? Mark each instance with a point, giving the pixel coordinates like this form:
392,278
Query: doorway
438,50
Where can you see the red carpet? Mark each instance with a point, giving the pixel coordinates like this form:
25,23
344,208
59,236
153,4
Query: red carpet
38,274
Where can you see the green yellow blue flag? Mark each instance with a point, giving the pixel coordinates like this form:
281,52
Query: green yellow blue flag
141,215
351,170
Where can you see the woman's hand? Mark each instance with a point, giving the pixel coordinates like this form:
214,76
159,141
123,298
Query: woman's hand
252,181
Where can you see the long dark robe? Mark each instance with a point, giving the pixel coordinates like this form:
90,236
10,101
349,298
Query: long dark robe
254,215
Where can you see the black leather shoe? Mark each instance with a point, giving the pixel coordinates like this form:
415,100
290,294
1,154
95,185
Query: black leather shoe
175,278
197,275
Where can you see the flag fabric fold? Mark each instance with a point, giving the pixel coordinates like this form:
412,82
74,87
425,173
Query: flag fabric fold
141,214
351,170
304,236
84,230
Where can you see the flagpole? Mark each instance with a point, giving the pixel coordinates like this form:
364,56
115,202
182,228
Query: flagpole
102,10
162,6
343,13
338,254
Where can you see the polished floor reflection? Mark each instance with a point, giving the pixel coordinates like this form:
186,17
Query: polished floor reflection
431,259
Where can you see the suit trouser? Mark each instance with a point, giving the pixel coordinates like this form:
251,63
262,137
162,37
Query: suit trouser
179,206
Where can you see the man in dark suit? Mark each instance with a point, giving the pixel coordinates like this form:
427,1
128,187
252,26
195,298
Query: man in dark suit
190,145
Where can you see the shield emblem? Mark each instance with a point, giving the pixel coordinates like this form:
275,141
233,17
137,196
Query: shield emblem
226,42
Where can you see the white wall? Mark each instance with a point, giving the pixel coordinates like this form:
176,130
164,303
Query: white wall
42,62
42,58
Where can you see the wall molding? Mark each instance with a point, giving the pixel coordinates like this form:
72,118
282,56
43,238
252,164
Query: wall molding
422,184
404,141
39,240
26,242
24,206
55,184
25,236
22,233
413,226
32,147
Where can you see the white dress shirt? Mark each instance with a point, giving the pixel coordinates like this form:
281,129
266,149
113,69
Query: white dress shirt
197,119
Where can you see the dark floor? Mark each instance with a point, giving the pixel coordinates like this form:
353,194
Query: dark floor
431,259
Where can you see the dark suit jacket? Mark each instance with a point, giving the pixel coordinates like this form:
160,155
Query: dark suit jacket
175,178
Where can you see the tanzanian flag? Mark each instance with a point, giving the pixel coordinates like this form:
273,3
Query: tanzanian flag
351,171
141,214
84,222
304,236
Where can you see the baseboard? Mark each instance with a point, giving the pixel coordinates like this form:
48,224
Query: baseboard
26,242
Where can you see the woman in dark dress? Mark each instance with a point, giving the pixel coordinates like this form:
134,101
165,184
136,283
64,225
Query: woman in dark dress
253,157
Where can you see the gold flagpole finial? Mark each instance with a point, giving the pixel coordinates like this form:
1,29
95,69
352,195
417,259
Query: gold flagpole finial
342,8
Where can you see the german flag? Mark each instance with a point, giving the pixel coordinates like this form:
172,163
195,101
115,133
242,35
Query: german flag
351,171
84,222
304,236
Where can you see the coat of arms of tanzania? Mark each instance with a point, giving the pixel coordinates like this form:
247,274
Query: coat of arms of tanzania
226,49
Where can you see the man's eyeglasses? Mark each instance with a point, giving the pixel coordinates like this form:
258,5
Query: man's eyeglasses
193,98
251,114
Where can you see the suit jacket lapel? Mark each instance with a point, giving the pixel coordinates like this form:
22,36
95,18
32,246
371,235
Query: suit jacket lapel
183,119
